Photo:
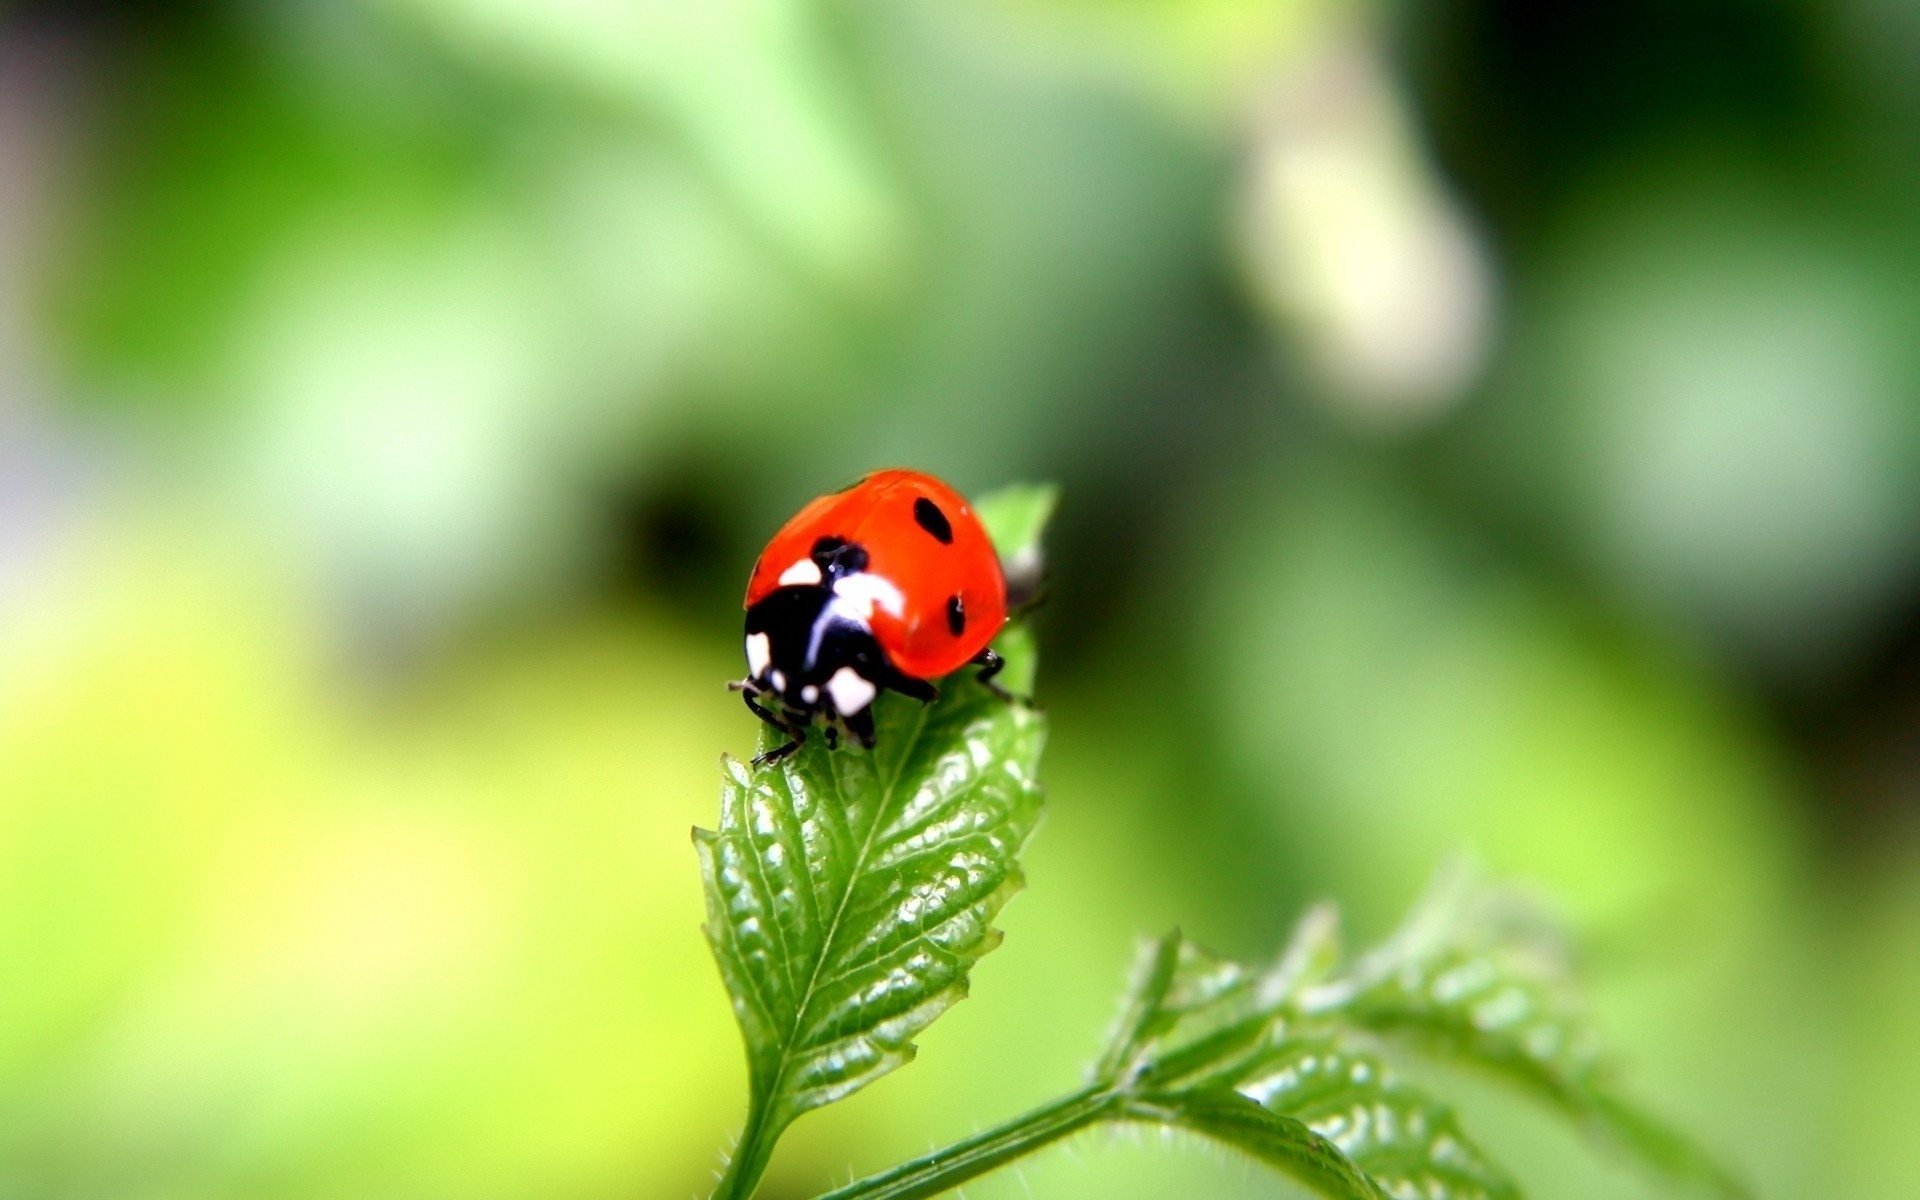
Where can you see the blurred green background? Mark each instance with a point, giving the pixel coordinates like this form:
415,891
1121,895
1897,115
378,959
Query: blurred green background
1485,426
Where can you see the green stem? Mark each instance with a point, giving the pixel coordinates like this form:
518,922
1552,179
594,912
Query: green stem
934,1173
750,1157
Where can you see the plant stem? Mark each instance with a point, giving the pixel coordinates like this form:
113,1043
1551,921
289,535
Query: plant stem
952,1166
750,1157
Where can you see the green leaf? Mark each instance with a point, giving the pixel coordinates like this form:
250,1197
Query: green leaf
1228,1051
1191,1016
850,892
1475,977
1404,1140
1016,517
1284,1062
1285,1143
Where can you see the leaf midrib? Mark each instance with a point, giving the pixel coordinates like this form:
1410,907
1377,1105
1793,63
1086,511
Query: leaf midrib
805,1000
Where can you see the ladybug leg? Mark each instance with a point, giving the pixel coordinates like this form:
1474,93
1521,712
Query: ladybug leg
779,752
748,695
907,685
797,733
860,727
992,664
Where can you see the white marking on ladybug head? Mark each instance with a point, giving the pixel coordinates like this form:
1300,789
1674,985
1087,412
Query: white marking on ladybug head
810,694
779,681
850,692
803,573
759,654
855,595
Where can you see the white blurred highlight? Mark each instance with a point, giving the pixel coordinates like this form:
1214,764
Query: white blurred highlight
1353,245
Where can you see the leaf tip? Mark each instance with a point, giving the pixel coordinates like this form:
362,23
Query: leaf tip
1016,516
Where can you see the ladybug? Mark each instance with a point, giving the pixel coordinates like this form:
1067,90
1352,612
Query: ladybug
887,584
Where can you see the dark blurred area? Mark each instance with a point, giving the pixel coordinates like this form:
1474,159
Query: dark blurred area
1485,429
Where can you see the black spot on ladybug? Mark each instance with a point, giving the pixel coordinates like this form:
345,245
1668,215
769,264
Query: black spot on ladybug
956,615
931,519
836,556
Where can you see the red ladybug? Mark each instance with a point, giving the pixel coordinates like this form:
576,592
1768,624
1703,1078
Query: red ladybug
888,583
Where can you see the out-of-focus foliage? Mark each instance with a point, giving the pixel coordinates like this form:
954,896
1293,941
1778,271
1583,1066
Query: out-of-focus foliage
259,943
1473,977
1241,1056
1485,425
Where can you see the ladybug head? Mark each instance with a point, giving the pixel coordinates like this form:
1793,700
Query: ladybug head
806,644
